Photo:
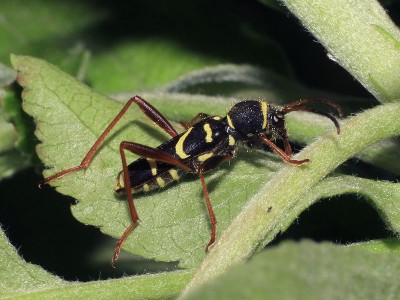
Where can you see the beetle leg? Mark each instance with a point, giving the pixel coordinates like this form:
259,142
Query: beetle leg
288,149
154,115
200,116
336,106
145,152
147,109
209,164
282,153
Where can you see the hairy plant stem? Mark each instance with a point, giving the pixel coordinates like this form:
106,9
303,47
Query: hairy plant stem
360,36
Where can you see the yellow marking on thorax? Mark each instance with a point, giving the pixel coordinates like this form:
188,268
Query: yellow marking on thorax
208,131
174,174
264,111
231,140
146,187
160,181
204,157
153,166
217,118
179,144
230,122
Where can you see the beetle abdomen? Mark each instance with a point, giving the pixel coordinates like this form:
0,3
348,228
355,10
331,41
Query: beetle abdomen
146,175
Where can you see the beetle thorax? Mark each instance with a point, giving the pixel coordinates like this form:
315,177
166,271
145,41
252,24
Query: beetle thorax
248,117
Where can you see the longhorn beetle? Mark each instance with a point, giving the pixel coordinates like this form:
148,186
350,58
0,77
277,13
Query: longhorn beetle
206,142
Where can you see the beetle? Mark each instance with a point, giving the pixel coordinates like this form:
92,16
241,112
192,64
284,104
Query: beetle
206,142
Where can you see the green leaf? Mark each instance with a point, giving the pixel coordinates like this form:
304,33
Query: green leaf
16,129
360,36
162,59
11,161
8,135
24,28
27,281
25,140
308,270
152,286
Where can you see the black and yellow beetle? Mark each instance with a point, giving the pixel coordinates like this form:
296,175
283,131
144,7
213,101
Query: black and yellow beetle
206,142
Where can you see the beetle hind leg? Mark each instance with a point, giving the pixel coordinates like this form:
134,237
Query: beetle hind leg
209,164
145,152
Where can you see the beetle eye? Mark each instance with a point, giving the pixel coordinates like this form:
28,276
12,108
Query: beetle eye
277,120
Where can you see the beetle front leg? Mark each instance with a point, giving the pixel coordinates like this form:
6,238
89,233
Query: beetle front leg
288,148
286,157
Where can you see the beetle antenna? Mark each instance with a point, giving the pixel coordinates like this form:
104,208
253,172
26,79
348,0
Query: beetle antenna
316,111
295,106
324,101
